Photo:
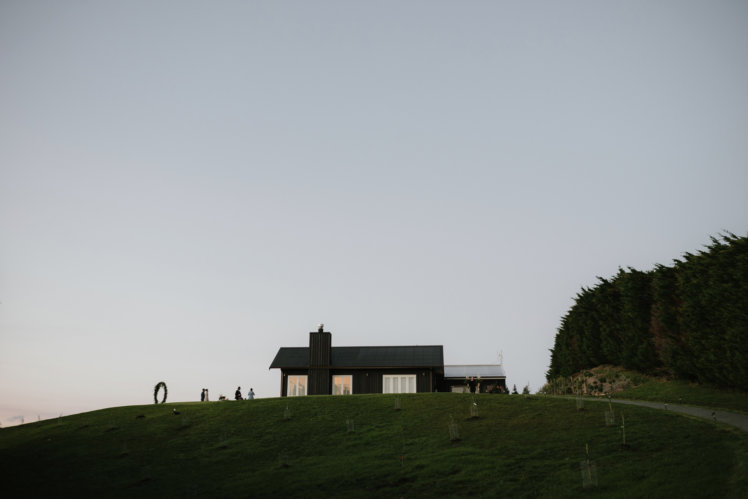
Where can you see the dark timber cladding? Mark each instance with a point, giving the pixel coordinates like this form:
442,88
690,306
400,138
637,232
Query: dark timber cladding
320,357
312,370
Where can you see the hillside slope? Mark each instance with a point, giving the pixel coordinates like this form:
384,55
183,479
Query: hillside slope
622,383
518,447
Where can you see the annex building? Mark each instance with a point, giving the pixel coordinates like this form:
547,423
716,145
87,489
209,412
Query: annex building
322,369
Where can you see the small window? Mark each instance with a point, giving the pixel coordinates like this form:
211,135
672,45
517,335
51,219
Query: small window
399,383
342,384
296,386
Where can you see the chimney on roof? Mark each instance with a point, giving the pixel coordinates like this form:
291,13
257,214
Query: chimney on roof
320,358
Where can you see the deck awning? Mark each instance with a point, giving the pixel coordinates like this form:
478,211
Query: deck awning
484,371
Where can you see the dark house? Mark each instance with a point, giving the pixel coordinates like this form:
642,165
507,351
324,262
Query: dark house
321,369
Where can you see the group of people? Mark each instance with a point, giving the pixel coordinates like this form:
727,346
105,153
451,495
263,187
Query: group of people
238,395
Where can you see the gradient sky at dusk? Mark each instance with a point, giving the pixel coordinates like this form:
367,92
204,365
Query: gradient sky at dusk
187,186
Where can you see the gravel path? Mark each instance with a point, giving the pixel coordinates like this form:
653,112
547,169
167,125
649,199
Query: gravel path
735,419
731,418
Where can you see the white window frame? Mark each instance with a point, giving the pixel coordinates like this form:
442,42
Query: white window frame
342,384
296,385
394,383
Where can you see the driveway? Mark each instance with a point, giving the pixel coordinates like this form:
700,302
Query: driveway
731,418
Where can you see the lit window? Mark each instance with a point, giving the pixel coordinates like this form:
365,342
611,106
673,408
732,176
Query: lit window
296,386
399,383
342,384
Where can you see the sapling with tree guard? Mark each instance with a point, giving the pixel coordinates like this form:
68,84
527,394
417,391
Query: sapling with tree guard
624,445
578,391
454,432
588,469
474,410
580,403
610,414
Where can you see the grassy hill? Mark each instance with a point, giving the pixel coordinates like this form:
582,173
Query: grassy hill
628,384
684,392
519,446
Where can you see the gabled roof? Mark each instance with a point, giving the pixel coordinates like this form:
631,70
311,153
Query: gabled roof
361,357
291,357
487,371
400,356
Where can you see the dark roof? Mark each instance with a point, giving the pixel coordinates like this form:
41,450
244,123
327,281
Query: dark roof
291,357
403,356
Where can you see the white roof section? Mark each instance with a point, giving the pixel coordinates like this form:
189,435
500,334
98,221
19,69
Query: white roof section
482,370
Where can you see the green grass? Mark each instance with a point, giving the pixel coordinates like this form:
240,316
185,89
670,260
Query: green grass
682,392
626,384
519,447
656,389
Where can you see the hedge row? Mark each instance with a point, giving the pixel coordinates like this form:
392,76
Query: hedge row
690,319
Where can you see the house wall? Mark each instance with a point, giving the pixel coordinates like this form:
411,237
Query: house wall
370,380
367,380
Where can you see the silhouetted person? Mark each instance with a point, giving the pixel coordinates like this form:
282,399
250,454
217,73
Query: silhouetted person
202,396
238,394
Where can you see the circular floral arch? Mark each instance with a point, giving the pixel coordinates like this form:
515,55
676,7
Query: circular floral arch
155,392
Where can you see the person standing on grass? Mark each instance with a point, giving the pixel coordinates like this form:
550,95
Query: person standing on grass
238,394
207,398
251,395
202,396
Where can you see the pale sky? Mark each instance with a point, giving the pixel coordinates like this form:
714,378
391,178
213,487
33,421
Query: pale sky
185,187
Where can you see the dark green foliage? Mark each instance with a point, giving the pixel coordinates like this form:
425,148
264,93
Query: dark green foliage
690,319
713,288
665,327
606,300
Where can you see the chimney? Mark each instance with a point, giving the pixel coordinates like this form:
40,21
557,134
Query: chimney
320,357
